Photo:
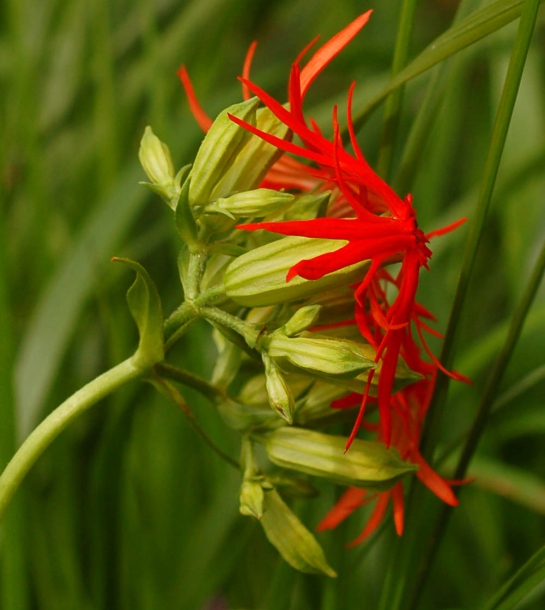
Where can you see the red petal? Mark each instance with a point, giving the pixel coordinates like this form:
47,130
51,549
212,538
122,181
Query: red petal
375,519
246,69
352,499
434,482
329,50
399,510
204,121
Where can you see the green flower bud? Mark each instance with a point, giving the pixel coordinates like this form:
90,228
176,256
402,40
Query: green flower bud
301,320
251,491
293,486
254,391
366,464
254,159
157,163
319,354
227,363
280,396
219,150
291,538
242,417
251,499
258,277
315,407
258,202
156,159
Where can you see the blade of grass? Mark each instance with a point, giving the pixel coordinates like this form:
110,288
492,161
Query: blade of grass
527,580
470,30
405,560
478,225
395,100
486,403
49,330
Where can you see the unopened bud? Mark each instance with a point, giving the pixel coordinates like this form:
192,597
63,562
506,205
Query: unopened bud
254,159
293,486
291,538
218,151
316,405
280,396
258,277
251,499
242,417
319,355
366,464
157,163
249,204
301,320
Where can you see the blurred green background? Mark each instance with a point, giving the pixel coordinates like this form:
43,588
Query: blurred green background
128,509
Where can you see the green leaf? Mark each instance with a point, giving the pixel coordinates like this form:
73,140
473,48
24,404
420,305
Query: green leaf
524,582
468,31
145,307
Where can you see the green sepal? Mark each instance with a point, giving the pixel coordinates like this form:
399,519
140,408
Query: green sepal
145,307
185,222
291,538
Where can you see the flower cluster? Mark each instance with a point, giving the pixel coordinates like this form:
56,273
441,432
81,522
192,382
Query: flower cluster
375,230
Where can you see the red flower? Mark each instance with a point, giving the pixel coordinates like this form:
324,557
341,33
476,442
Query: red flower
371,223
382,227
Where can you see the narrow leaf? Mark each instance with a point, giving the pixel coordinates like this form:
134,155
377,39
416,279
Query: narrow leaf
468,31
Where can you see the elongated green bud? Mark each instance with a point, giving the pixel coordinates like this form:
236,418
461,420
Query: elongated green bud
251,499
157,163
242,417
315,407
291,538
254,159
280,396
301,320
293,486
218,151
319,355
156,159
258,202
366,464
251,491
258,277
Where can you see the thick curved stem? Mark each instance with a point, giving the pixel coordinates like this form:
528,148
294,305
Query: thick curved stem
57,421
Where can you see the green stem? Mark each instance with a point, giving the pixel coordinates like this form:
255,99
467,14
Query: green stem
180,320
171,392
393,105
195,271
202,386
213,314
57,421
